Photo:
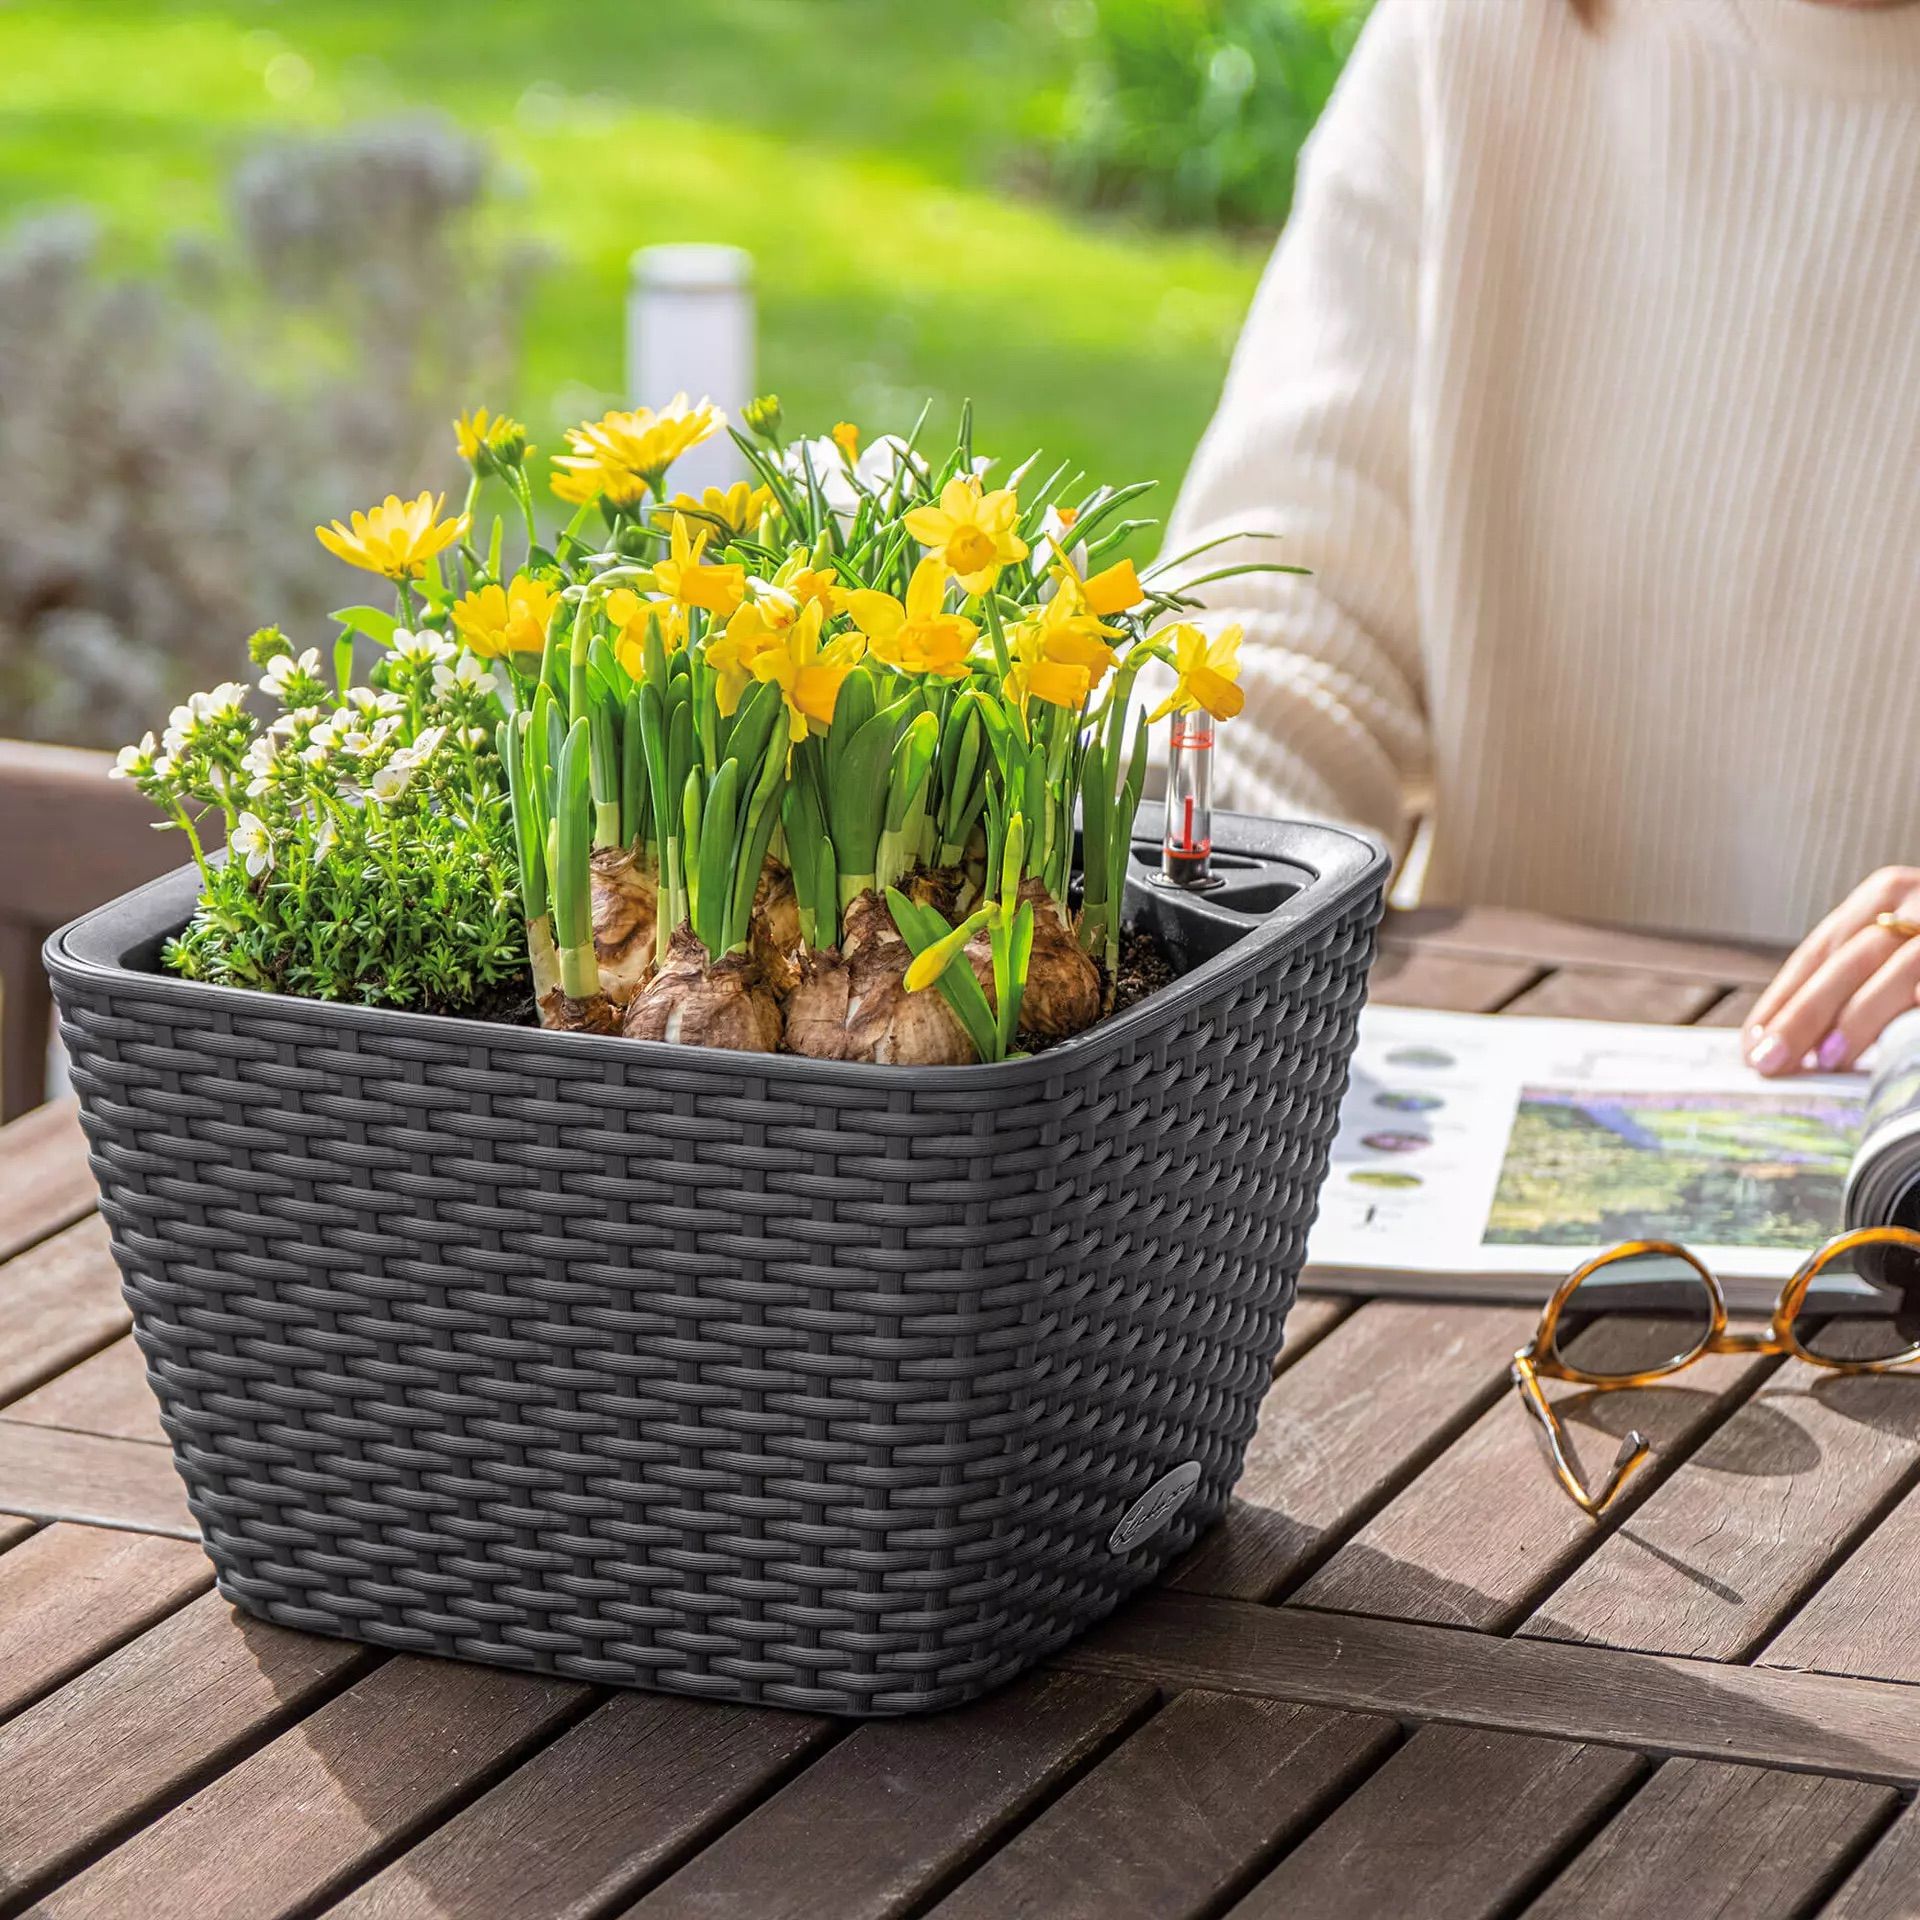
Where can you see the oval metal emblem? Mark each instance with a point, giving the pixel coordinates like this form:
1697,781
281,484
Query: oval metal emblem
1155,1507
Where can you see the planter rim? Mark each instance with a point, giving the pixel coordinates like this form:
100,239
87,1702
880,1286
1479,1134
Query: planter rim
1338,858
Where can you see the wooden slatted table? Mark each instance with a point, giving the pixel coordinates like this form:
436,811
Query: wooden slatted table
1403,1677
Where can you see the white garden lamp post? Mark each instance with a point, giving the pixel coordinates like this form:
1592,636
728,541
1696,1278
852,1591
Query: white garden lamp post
690,330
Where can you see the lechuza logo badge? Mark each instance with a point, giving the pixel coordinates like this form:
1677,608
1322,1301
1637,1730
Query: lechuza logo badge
1155,1507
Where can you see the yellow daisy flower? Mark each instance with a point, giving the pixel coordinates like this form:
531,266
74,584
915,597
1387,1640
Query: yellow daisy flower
973,532
397,538
623,454
729,511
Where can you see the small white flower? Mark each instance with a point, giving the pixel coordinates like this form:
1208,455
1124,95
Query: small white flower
421,648
292,721
1048,548
467,675
476,736
227,699
254,844
283,667
392,780
260,757
368,701
134,762
424,747
324,839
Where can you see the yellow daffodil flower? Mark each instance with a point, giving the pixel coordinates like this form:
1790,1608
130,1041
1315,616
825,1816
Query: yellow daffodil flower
623,454
731,511
496,620
1071,635
684,576
1036,674
397,538
1208,673
973,532
918,636
804,581
628,614
1114,590
730,653
846,436
807,673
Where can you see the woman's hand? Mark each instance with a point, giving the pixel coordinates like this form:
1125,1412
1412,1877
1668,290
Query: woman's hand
1844,982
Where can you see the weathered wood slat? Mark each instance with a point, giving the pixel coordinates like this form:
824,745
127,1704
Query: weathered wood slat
1719,1554
71,1594
1863,1620
1737,1842
1614,993
1657,1703
59,1302
1359,1414
106,1394
1312,1317
371,1766
1512,933
1486,1528
1458,1825
86,1762
48,1474
586,1821
893,1809
1459,983
1182,1810
1886,1884
45,1182
13,1530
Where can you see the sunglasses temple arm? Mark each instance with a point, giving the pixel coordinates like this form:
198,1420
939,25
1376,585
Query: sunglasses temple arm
1633,1449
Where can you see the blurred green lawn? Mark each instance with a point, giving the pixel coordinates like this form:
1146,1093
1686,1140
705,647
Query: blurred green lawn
862,150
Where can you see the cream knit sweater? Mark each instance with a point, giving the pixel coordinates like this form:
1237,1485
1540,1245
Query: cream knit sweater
1586,379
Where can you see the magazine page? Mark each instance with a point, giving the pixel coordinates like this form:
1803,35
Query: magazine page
1512,1149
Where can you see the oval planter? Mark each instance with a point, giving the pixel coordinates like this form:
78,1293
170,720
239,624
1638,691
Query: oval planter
835,1387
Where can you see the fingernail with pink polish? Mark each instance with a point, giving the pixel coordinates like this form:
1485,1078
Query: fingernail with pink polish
1833,1051
1769,1056
1754,1035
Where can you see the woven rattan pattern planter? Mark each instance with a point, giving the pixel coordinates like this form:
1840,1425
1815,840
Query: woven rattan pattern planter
756,1378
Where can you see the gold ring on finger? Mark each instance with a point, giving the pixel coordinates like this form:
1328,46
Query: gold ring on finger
1893,923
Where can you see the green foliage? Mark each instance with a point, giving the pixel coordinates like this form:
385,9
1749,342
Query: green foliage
371,852
1194,110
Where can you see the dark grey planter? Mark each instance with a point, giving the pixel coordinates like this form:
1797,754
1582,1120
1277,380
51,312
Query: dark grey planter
844,1388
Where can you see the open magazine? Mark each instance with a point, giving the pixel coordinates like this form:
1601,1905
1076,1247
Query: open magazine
1487,1157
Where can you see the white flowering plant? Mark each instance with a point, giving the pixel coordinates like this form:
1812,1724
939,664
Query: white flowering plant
370,852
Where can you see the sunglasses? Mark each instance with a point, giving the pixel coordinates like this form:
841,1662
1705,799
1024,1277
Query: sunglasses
1658,1309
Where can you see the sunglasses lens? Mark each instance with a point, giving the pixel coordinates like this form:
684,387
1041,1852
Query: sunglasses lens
1635,1314
1863,1305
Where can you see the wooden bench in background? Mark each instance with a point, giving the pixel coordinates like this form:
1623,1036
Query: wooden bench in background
69,839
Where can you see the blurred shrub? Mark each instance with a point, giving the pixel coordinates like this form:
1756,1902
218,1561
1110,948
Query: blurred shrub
1193,111
168,443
